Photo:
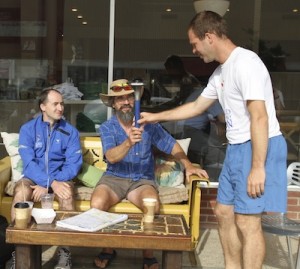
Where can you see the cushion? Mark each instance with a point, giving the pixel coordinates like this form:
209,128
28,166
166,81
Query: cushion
168,171
167,195
83,193
171,195
9,188
89,175
11,143
184,143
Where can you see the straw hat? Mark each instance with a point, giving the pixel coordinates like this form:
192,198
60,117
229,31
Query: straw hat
117,88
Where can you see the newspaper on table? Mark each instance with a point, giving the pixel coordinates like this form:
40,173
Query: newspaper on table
91,220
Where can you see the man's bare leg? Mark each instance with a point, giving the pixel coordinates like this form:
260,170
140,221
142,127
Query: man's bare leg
22,190
103,198
148,254
136,197
229,236
67,204
253,240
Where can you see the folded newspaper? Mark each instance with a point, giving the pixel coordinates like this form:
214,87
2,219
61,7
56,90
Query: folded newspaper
91,220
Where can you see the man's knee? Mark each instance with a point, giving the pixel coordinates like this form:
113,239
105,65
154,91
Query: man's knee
248,224
103,197
224,211
22,189
102,204
97,203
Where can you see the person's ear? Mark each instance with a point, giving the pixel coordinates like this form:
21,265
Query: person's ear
209,37
42,107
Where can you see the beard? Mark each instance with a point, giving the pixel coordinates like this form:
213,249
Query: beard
126,117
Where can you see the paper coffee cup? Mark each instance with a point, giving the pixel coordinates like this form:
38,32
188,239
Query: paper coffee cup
30,203
149,209
22,215
47,200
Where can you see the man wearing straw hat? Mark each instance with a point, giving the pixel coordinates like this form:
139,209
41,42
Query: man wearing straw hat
130,162
51,154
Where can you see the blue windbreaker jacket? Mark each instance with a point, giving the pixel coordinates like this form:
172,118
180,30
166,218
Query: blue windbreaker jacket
49,155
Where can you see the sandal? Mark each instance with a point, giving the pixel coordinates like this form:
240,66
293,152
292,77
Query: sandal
149,262
103,256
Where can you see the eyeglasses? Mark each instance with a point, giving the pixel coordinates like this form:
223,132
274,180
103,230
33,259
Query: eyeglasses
124,87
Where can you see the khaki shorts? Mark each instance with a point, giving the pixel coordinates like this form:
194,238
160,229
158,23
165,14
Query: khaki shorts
123,186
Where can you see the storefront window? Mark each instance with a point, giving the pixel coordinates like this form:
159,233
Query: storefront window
68,44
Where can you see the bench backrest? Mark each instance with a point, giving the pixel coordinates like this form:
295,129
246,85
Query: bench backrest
92,151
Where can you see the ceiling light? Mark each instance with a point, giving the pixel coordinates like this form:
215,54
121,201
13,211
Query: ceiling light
295,10
74,9
168,9
218,6
84,22
79,17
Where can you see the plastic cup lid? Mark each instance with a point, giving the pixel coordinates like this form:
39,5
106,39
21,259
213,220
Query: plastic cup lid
21,205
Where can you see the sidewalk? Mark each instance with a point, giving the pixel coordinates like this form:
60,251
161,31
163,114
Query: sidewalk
211,257
209,254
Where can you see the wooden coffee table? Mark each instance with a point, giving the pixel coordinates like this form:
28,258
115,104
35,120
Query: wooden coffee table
168,233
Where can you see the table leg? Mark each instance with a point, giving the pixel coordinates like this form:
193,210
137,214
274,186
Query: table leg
172,259
28,257
193,259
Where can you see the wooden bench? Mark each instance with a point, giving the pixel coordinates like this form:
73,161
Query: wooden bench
92,154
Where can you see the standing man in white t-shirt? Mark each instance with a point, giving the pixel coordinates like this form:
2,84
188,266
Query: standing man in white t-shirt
253,178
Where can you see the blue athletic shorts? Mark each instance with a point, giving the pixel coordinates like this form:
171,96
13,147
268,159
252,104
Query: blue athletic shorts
233,178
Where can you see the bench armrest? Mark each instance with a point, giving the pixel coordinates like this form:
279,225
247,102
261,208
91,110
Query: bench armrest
195,206
5,175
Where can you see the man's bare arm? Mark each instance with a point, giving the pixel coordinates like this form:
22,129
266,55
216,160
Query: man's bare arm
117,153
259,138
182,112
190,169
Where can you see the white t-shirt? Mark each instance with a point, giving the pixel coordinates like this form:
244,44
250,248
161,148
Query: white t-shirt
242,77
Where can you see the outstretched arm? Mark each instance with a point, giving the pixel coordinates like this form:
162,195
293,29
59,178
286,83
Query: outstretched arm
182,112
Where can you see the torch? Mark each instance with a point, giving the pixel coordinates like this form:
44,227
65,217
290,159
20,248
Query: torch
138,87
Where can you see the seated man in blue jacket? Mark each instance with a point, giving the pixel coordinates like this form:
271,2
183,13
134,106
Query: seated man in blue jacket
51,155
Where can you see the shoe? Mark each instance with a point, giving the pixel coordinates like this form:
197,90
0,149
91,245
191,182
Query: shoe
64,259
148,262
12,261
103,256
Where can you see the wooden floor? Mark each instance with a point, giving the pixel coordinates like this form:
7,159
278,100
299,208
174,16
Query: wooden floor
208,253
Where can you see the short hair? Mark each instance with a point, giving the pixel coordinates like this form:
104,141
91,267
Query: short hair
44,95
208,22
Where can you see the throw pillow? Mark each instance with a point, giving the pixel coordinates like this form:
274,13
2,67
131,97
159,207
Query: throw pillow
168,171
184,143
11,142
89,175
